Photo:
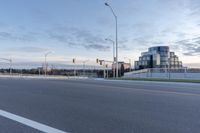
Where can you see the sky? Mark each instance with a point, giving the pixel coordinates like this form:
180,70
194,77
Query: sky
78,28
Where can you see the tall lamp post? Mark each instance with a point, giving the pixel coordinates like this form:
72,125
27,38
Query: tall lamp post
107,39
45,55
115,16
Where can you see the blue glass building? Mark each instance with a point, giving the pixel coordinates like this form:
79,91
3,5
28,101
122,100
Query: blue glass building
158,57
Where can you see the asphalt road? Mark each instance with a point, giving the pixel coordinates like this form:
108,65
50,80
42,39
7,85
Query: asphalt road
97,106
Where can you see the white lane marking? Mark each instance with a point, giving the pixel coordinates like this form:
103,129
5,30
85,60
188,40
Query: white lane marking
30,123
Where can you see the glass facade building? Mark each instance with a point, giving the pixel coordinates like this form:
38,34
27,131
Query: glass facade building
158,57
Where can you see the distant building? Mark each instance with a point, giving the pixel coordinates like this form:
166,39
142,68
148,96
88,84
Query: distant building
122,65
158,57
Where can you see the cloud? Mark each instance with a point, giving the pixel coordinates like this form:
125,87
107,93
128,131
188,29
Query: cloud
96,46
191,47
59,37
78,38
12,36
195,7
30,49
5,35
69,36
193,51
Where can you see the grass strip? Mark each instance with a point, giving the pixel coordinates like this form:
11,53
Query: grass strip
162,80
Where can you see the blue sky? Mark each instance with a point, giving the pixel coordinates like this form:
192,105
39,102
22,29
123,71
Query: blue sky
78,28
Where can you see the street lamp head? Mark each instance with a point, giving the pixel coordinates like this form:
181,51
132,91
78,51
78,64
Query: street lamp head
108,39
106,4
50,52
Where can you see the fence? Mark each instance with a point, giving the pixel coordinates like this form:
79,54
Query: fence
166,73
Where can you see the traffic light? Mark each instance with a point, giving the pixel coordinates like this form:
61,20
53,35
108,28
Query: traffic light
97,60
106,65
115,59
101,62
74,60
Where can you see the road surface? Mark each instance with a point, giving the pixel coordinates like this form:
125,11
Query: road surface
98,106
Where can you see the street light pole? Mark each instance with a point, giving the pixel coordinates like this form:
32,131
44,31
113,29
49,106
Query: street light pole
10,61
10,66
104,71
116,22
46,62
74,61
107,39
84,66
